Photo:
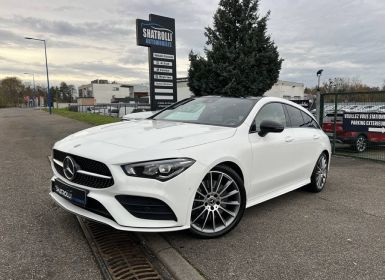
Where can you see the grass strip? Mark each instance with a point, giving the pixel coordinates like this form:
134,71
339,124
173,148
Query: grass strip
90,118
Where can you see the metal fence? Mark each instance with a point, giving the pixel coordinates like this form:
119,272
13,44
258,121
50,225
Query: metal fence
112,109
355,123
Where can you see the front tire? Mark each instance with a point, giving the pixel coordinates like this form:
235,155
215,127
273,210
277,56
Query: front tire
320,173
219,203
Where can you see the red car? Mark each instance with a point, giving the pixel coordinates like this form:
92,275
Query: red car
358,140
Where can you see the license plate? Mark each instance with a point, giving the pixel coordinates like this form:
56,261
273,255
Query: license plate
330,134
75,195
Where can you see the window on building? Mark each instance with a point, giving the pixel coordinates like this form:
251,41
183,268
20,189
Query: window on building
115,89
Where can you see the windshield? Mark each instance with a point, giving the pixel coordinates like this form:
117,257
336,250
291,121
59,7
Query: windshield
220,111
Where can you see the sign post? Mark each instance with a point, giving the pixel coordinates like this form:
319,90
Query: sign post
158,34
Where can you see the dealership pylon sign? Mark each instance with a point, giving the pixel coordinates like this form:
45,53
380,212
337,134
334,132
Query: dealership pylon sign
158,34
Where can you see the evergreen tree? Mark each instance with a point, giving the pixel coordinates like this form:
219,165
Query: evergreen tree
240,57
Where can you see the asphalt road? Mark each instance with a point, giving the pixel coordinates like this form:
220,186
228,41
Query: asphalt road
38,240
336,234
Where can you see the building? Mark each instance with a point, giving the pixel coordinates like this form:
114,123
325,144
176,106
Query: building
287,90
141,90
183,91
103,91
283,89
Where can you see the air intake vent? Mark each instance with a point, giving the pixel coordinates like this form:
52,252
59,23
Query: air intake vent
146,207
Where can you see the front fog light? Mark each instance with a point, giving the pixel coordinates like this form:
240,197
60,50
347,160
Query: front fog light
161,170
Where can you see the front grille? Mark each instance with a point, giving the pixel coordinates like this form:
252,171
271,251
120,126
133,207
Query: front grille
146,207
88,165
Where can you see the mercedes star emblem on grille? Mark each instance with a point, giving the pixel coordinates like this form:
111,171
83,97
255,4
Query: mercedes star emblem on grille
69,168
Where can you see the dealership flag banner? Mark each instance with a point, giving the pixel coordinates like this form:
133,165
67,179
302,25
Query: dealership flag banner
158,34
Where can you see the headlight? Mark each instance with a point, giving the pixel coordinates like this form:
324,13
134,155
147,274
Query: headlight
161,170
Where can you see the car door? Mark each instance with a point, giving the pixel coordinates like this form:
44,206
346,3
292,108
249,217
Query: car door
307,135
272,154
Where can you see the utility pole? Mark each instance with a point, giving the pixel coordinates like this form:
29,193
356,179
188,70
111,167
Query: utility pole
49,98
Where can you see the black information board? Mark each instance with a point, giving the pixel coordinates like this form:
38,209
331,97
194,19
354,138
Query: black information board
158,34
364,122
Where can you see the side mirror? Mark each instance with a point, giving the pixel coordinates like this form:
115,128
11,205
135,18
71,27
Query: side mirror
270,127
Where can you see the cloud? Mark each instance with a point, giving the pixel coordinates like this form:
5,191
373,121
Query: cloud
92,39
103,30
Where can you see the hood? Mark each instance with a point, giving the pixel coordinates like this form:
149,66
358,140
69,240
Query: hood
146,136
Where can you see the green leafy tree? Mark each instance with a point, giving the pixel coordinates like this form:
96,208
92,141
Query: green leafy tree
240,57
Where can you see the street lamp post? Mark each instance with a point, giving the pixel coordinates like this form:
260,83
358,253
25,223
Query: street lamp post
34,88
318,97
319,73
49,98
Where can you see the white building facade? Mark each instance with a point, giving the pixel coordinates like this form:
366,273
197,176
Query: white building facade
282,89
287,90
104,91
183,91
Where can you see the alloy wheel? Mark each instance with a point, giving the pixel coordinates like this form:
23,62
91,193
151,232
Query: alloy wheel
216,203
321,171
361,143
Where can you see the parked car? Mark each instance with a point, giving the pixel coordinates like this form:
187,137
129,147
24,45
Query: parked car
366,109
194,165
381,109
359,141
93,110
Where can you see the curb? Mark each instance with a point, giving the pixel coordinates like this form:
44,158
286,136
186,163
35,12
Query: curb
171,259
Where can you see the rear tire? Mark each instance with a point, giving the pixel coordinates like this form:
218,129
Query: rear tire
360,143
319,175
219,203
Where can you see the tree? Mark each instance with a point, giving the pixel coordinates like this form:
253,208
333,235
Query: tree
342,84
240,57
12,91
55,93
66,92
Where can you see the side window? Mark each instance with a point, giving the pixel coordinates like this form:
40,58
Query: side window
295,116
272,112
309,122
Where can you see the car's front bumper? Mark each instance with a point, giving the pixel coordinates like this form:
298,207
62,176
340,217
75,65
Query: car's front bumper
177,193
67,205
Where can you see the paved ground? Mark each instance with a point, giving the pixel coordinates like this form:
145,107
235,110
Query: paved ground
38,240
337,234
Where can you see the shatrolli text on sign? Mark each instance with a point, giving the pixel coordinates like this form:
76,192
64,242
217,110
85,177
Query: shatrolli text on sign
158,34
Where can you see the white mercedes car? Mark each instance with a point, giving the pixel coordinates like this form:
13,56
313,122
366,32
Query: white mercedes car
138,116
195,165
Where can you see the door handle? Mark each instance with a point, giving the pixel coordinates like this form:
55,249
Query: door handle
315,136
289,139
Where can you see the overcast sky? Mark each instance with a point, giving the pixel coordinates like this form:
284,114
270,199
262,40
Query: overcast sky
96,39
